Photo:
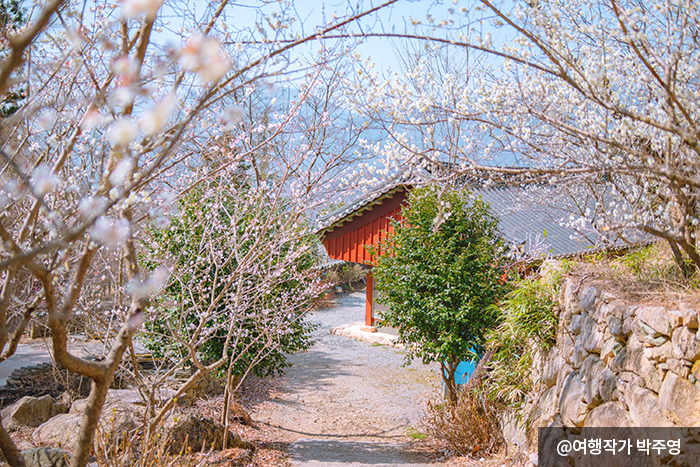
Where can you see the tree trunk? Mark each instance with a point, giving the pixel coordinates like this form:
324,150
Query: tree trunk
9,449
448,376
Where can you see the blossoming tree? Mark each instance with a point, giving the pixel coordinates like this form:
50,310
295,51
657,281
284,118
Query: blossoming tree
599,96
125,113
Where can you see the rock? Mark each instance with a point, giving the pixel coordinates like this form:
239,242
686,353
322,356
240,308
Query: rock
648,331
533,458
616,364
615,325
550,370
569,293
608,350
675,317
588,299
592,377
579,354
677,367
606,389
695,370
566,345
627,326
188,433
655,341
628,376
690,318
658,318
564,373
680,400
31,411
62,430
659,353
610,414
514,430
572,401
644,407
685,344
546,409
591,335
575,326
45,457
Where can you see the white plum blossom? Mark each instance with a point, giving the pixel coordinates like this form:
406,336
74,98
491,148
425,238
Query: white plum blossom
122,132
44,181
204,56
46,119
122,170
110,233
144,289
91,205
231,116
134,8
92,119
153,120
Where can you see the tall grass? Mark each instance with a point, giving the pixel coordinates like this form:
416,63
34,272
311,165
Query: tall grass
528,324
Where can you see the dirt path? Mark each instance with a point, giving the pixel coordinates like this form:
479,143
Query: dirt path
349,403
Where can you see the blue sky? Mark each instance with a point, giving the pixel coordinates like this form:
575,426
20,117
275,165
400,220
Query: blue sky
396,18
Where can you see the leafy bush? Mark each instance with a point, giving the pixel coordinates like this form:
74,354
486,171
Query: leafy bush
242,278
440,272
528,323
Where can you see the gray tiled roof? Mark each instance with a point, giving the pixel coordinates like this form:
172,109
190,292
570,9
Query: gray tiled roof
524,220
359,204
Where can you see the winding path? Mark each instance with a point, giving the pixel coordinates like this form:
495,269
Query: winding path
350,403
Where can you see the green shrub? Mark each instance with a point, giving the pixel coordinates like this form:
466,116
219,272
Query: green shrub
440,272
528,323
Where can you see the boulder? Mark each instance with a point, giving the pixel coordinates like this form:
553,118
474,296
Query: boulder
680,400
614,325
644,407
116,421
187,433
658,318
610,414
609,380
550,370
588,297
31,411
45,457
685,344
579,354
591,335
61,430
572,401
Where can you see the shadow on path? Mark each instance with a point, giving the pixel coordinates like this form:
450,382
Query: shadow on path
318,452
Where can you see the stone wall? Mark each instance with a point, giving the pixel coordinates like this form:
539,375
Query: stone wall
615,364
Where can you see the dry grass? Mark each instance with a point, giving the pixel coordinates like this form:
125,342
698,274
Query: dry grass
470,427
645,275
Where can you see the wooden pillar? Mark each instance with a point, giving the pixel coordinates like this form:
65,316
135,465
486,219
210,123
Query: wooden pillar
369,320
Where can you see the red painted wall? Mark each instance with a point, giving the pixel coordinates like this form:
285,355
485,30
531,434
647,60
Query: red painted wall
347,243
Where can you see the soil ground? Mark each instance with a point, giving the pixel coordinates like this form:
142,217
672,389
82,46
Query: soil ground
350,403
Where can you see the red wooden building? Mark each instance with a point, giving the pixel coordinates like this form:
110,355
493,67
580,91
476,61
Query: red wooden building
347,231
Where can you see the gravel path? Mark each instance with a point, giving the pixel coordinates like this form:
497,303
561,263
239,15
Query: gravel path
350,403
